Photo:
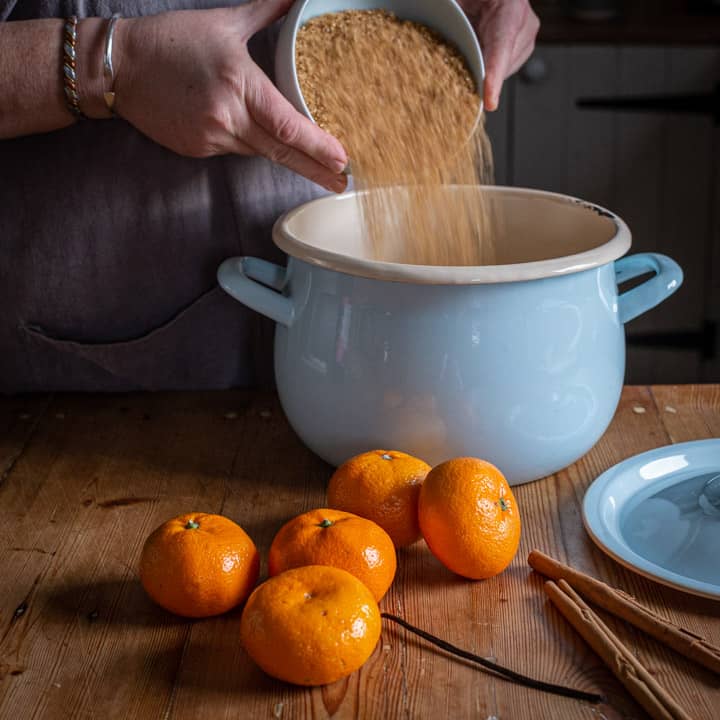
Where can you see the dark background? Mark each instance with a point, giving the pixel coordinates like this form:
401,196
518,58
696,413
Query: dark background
656,164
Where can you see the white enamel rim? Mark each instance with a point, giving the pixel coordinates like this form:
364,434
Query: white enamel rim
601,515
608,252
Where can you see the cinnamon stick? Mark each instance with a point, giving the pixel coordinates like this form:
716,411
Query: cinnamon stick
624,665
692,646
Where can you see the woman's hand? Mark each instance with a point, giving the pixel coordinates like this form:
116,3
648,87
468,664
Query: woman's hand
507,31
186,80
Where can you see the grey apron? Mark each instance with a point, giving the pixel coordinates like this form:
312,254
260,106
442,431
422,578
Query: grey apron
109,245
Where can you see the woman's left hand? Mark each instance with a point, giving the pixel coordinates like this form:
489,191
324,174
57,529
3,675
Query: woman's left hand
506,30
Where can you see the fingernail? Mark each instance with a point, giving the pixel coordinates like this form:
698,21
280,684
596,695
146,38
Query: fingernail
338,184
338,165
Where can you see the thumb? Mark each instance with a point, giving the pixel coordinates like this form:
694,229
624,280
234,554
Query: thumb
497,60
261,13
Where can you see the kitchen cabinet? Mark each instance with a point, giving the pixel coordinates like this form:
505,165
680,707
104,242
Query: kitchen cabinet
659,171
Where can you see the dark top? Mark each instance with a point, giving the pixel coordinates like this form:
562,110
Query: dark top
110,244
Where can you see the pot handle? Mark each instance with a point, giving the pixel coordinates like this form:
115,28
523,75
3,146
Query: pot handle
668,278
256,283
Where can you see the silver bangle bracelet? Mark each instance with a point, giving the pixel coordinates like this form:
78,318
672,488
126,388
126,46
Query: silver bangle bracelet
108,73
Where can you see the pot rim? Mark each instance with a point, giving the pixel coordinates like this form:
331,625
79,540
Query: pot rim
603,254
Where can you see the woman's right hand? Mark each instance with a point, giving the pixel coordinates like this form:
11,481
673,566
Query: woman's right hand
187,81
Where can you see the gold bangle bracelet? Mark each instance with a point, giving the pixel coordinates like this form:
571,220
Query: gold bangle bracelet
69,69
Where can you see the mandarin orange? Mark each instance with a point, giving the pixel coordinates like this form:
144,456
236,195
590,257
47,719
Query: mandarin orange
383,486
469,517
339,539
311,625
198,565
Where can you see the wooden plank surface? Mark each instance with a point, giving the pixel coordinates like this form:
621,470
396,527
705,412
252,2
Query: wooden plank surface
85,479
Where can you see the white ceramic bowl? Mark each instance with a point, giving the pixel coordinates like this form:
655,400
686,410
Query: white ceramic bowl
444,16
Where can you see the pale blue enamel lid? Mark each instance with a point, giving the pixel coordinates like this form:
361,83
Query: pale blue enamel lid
651,513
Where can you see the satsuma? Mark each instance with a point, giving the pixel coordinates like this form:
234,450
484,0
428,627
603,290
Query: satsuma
311,625
383,486
197,565
339,539
469,517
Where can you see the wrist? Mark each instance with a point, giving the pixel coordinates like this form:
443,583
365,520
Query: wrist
121,51
90,80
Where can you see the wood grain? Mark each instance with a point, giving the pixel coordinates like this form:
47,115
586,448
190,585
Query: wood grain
85,479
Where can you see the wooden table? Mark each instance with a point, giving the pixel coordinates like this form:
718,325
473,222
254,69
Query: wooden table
85,479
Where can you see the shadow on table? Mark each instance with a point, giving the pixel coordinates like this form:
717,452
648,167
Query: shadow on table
418,568
212,669
114,602
187,443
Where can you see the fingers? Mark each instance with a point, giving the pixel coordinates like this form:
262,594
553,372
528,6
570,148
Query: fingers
261,13
520,56
492,89
260,142
507,32
272,112
497,61
524,44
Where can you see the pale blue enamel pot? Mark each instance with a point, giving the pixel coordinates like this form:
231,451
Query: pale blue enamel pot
520,363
